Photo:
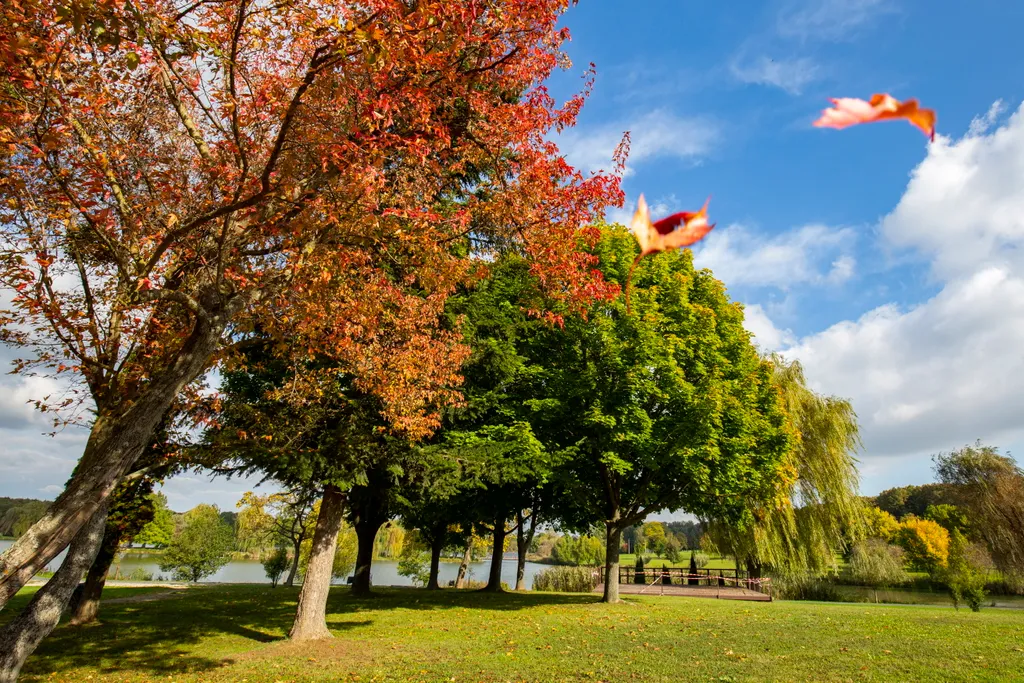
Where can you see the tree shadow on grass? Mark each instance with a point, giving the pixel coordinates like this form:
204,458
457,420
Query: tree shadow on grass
167,637
341,600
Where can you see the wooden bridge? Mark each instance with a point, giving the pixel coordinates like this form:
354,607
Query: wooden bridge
725,584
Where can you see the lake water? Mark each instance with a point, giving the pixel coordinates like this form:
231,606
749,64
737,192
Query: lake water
383,572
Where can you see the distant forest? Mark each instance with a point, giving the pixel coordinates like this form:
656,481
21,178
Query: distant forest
18,514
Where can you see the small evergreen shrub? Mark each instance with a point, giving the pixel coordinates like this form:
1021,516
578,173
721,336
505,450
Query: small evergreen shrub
566,580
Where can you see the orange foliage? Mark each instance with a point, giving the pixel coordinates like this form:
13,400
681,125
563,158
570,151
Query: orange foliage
849,111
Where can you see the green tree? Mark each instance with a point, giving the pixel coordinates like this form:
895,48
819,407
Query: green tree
826,512
912,500
962,575
275,565
654,535
949,517
669,407
203,546
877,564
160,530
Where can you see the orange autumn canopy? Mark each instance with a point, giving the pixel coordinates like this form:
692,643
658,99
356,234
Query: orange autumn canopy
849,111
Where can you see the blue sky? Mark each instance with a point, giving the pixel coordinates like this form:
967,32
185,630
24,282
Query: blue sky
720,101
892,268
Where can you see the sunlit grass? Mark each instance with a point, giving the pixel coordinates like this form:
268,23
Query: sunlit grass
238,633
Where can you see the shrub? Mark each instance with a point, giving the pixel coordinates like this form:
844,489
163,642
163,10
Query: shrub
699,560
275,565
415,564
566,580
877,564
804,587
140,574
639,576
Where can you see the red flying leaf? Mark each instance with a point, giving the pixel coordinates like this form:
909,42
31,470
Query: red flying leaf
667,233
849,111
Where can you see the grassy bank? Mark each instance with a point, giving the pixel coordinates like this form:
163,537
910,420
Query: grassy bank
237,633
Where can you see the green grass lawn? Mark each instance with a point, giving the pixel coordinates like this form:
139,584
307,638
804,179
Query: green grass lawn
237,634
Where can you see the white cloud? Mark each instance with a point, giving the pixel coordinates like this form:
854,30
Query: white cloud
943,373
791,75
964,206
830,19
766,334
658,134
813,254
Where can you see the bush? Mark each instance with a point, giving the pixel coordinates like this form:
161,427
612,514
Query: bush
566,580
790,587
639,576
699,560
415,564
140,574
275,565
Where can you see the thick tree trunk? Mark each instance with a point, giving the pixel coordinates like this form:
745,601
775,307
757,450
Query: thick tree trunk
366,533
613,538
497,556
311,615
460,579
115,442
86,606
297,549
22,635
435,563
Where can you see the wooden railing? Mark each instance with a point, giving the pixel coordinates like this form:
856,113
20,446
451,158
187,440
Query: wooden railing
682,576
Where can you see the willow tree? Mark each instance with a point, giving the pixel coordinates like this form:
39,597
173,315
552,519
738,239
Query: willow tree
823,512
990,486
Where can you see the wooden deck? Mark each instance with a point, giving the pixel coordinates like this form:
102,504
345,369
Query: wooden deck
720,592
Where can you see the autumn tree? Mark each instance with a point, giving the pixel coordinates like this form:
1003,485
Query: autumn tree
197,166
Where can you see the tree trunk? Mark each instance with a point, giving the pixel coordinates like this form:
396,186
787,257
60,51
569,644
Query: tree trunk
86,607
613,536
497,556
116,441
290,581
366,533
311,616
460,579
22,635
523,540
435,562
